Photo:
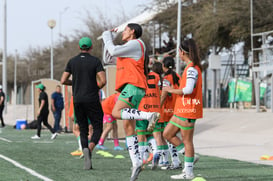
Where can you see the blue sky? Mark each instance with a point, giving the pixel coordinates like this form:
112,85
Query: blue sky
27,19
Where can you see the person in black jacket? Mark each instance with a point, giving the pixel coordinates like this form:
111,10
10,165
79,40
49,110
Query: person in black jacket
42,113
2,105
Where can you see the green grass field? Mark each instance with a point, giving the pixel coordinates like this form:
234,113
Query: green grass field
52,159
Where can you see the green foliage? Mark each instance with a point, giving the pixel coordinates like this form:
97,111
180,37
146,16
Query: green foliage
220,22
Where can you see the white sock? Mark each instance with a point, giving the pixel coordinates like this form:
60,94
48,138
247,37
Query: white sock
152,144
146,153
160,152
188,167
142,150
79,143
133,149
174,154
134,114
166,156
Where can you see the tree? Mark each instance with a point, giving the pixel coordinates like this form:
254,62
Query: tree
219,22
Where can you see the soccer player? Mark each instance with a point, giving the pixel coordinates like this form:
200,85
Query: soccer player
111,123
131,83
188,107
171,78
151,102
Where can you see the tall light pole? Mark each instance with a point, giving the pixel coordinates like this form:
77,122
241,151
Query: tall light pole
4,59
15,77
51,24
179,11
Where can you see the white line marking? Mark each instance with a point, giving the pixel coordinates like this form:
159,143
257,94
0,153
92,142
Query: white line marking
43,142
4,139
32,172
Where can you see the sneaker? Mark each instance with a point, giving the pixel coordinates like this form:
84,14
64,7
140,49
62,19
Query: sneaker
155,161
183,175
101,147
155,116
76,153
87,159
118,148
36,137
135,173
54,135
172,167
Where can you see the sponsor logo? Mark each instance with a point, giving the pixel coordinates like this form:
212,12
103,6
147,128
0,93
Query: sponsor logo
189,101
186,110
120,68
151,95
148,106
168,110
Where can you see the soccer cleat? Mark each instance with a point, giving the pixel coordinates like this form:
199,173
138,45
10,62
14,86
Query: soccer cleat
87,159
81,156
152,120
172,167
164,164
135,173
35,137
54,135
118,148
101,147
76,153
155,161
183,175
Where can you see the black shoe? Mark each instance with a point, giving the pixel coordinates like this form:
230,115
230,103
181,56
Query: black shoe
87,159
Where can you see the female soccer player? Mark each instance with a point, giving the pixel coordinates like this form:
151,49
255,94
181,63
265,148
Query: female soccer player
131,83
171,78
151,102
188,107
111,123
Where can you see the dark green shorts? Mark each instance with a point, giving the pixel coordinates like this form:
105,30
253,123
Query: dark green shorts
135,94
183,119
142,125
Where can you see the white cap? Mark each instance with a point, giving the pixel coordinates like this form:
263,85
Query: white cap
0,86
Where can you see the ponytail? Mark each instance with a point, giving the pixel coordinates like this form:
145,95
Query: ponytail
168,62
146,64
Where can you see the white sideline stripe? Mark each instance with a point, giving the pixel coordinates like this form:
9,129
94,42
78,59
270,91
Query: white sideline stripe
32,172
43,142
4,139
